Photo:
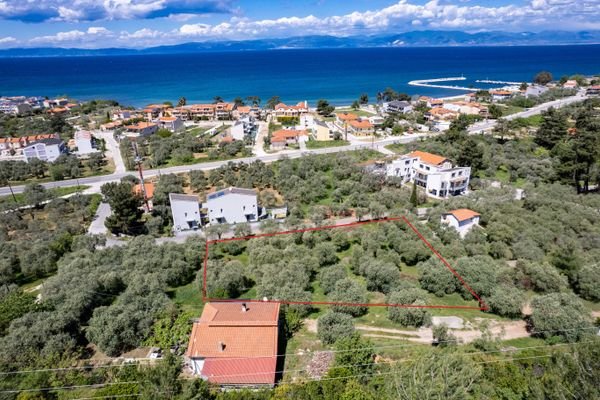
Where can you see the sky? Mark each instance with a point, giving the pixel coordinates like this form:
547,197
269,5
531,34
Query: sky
146,23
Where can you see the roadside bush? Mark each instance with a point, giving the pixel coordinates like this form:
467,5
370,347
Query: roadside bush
333,326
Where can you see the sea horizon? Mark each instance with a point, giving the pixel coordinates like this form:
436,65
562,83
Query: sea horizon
339,75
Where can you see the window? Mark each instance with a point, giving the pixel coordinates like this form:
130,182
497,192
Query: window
453,174
185,214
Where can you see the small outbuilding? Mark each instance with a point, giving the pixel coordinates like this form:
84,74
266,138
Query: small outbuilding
463,220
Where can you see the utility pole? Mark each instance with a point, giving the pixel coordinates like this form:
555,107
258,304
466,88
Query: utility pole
138,162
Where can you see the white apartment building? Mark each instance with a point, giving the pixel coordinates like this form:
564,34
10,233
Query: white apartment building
434,173
186,212
232,206
45,150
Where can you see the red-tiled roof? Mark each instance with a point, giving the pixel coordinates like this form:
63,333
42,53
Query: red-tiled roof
249,371
347,116
362,124
428,158
284,134
463,214
239,347
148,187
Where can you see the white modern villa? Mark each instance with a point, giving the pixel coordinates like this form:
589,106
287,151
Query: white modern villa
434,173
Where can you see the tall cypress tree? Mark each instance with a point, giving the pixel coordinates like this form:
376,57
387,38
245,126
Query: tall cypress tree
414,199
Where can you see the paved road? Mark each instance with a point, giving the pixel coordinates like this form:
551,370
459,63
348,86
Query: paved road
490,124
95,181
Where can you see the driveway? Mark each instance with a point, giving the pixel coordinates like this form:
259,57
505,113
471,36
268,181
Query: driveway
112,149
97,226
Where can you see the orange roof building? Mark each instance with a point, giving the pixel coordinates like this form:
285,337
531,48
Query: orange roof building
346,117
236,343
283,137
428,158
463,214
462,220
148,188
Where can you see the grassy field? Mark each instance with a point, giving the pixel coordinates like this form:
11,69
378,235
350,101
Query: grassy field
189,297
398,148
58,192
316,144
503,176
360,113
534,120
198,130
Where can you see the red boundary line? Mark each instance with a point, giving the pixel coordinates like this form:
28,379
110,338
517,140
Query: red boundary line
482,305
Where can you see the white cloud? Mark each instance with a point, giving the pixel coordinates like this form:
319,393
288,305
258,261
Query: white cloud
94,10
75,37
8,41
398,17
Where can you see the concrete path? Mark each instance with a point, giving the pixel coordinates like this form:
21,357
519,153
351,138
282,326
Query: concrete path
97,226
112,149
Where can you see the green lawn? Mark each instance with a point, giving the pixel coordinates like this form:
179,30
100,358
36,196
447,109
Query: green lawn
398,148
57,192
508,110
534,120
189,297
360,113
316,144
503,176
198,130
174,163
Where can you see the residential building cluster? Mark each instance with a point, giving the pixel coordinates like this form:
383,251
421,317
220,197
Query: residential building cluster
229,206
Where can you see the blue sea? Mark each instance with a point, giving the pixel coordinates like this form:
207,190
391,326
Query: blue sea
339,75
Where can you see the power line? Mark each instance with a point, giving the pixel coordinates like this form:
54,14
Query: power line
277,355
391,362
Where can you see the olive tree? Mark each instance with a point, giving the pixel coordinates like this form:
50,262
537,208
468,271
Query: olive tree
560,314
349,291
408,316
506,301
333,326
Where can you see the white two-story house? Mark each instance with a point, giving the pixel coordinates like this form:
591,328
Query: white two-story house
232,206
434,173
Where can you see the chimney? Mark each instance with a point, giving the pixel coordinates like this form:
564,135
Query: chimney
221,346
244,308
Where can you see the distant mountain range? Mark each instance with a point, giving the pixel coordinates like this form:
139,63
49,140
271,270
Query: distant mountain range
406,39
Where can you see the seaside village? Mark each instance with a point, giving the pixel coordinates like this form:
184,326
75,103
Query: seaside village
236,344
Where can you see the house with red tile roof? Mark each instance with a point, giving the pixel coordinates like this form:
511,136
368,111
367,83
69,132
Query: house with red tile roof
285,137
361,127
283,110
173,124
344,118
141,129
236,344
499,95
463,220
